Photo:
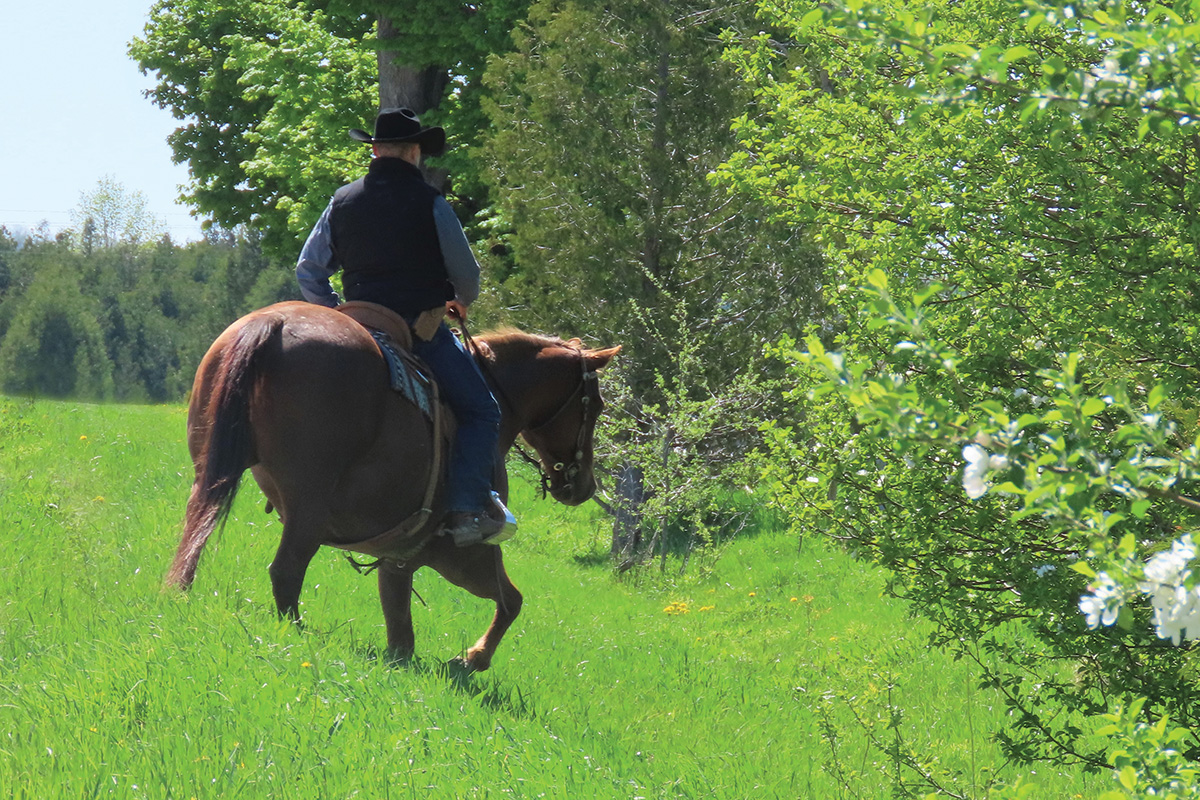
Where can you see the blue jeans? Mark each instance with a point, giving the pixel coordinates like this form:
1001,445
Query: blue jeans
467,393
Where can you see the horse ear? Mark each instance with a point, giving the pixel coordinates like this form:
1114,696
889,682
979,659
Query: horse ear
596,359
576,343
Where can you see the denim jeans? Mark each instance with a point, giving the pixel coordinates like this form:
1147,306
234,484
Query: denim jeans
464,389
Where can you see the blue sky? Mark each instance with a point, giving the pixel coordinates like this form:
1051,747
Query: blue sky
72,112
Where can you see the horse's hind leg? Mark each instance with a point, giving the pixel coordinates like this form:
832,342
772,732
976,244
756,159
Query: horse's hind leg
299,544
395,595
479,570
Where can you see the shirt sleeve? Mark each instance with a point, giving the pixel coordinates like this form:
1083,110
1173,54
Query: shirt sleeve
316,265
461,266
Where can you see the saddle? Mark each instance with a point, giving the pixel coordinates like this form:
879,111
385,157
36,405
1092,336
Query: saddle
410,378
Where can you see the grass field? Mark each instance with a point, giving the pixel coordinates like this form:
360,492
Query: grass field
727,680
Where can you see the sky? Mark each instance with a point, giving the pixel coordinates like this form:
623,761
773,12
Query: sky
72,112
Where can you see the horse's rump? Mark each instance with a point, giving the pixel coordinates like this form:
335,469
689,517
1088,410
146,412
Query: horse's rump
299,393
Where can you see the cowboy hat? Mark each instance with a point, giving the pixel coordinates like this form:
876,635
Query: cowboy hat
402,125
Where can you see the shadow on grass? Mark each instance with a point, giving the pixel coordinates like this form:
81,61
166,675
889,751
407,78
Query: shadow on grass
681,536
495,693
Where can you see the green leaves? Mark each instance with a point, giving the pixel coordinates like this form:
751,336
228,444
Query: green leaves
1027,160
1093,56
266,91
1147,758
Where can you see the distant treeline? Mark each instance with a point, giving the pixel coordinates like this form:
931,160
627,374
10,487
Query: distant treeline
127,322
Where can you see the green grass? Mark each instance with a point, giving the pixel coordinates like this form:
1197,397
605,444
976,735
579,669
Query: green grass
727,680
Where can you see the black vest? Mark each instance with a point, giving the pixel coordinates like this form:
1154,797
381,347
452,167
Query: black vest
385,239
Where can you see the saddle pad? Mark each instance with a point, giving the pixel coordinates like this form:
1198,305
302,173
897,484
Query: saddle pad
405,375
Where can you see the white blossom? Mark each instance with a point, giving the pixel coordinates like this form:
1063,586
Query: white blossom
976,470
1176,607
1166,582
1102,605
1172,566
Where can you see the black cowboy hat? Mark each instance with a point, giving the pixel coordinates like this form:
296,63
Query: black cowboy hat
402,125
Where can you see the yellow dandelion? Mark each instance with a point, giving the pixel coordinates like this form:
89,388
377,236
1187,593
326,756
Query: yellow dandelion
676,608
98,498
753,594
306,664
83,438
707,608
793,600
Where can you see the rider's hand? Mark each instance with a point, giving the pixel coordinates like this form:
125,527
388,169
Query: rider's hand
456,310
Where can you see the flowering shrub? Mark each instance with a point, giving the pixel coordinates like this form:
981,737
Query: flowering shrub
1001,445
1073,523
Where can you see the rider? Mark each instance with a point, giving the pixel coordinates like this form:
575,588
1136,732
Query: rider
399,244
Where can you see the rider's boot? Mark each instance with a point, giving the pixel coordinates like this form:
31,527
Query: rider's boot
493,526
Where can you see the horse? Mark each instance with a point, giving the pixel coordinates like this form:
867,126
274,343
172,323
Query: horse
299,394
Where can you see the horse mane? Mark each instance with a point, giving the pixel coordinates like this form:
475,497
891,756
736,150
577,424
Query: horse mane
507,344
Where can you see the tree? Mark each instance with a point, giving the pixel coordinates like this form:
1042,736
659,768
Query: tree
8,246
607,120
111,215
1036,163
265,90
54,345
268,90
124,322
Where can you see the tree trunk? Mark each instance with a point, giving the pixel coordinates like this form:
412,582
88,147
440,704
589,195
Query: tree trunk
627,515
403,85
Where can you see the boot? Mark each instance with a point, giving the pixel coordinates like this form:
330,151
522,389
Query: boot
493,526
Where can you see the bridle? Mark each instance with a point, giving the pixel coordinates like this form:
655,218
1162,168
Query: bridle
588,392
589,388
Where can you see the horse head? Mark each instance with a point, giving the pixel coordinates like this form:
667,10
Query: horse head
553,396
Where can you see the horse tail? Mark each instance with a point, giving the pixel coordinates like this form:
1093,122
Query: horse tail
228,449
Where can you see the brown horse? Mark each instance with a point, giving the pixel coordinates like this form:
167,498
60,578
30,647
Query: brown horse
299,394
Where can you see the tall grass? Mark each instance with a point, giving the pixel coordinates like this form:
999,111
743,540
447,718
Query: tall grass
733,679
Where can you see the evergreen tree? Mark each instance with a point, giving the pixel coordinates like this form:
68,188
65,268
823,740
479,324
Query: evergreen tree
54,344
125,322
607,121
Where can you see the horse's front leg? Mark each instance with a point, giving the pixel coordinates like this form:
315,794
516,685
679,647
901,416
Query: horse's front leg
479,570
395,595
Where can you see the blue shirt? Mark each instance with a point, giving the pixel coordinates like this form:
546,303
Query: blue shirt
317,263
